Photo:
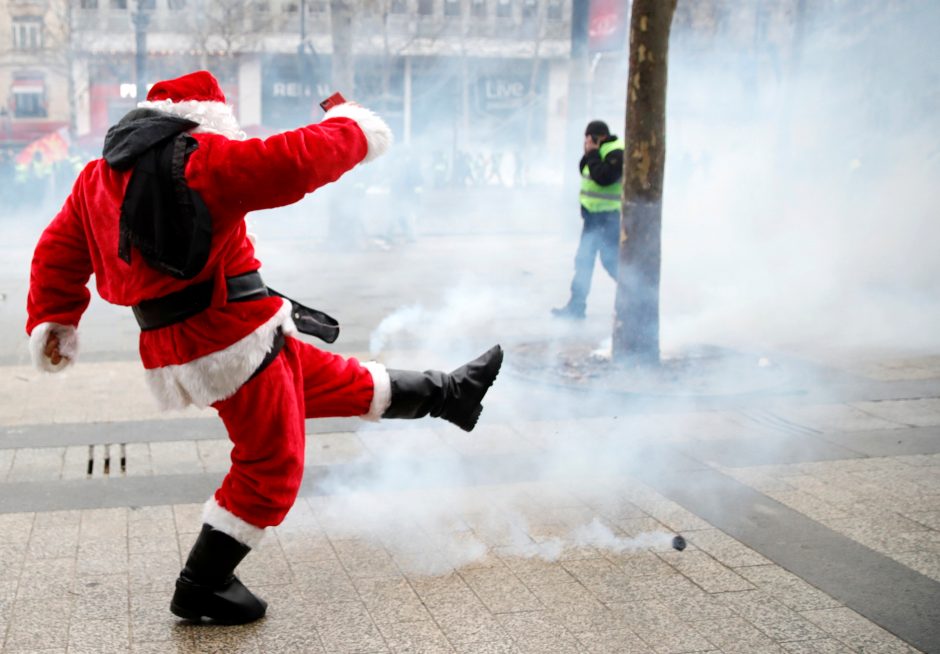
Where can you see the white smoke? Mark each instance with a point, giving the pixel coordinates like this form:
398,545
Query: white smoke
796,222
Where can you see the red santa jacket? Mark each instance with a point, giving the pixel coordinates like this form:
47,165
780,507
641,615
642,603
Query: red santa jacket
207,357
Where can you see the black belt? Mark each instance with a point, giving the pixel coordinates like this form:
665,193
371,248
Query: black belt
181,305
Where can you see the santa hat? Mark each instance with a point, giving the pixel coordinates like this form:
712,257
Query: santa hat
196,97
200,86
199,98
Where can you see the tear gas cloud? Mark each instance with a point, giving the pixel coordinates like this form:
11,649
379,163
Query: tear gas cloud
799,217
802,211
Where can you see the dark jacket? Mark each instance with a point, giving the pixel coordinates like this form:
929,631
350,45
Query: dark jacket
607,170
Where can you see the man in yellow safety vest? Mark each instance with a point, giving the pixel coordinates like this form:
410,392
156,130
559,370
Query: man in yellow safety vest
601,171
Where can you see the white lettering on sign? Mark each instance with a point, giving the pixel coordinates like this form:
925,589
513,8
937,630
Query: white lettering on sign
128,90
502,94
287,90
502,89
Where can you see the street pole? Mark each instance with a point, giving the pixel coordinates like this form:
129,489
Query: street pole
579,87
69,70
141,21
302,53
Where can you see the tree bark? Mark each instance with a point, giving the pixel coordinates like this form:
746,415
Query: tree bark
636,324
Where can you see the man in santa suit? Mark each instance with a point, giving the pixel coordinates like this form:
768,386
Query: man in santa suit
160,221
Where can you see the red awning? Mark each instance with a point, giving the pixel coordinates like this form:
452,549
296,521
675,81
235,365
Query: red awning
50,148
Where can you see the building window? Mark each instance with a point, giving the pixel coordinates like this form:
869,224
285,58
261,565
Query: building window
426,7
146,5
554,10
27,33
89,4
29,98
176,5
530,8
398,7
118,4
478,8
451,7
504,8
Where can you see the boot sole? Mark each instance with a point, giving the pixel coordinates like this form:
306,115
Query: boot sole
185,614
468,422
205,607
197,617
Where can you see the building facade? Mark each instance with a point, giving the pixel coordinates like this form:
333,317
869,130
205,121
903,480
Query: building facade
34,80
459,72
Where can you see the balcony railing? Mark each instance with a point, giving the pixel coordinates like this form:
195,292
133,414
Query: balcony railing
29,4
282,18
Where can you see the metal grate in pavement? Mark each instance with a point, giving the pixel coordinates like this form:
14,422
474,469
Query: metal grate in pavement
111,459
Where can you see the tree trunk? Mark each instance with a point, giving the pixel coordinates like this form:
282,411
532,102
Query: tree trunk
636,325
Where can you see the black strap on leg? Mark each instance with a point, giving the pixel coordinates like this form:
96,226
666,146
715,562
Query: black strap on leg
269,358
311,321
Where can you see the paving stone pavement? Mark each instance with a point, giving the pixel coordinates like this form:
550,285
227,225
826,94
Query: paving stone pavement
812,519
564,561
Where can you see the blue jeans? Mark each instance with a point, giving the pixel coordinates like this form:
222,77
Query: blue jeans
600,235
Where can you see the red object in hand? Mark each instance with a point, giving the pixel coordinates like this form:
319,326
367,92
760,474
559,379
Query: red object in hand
332,101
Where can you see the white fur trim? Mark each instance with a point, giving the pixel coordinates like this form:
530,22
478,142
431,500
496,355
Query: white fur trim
377,133
68,346
382,393
213,117
228,523
218,375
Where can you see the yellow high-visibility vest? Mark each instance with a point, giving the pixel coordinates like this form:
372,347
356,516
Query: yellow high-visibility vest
594,197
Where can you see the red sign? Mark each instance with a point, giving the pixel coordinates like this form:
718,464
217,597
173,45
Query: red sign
607,25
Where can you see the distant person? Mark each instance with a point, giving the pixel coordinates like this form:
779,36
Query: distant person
406,182
7,177
601,169
160,221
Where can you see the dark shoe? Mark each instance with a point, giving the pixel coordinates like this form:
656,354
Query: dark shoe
569,312
207,587
455,397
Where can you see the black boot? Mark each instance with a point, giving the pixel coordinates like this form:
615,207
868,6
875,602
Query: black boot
454,396
206,587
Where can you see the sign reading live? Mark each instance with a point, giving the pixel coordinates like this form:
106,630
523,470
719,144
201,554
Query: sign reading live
501,93
607,25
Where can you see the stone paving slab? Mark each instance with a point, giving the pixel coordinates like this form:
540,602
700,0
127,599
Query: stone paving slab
404,547
888,504
100,579
86,392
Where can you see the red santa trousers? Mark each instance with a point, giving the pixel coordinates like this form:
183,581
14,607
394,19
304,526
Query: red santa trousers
265,422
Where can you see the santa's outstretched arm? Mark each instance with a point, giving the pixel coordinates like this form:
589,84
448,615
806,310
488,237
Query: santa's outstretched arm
58,291
279,170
